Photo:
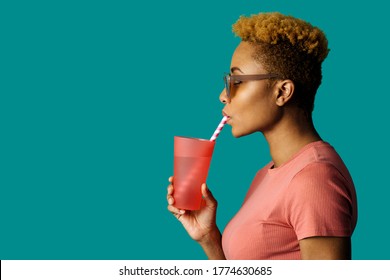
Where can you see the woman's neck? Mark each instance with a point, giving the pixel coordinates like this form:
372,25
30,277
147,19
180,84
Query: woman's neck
289,136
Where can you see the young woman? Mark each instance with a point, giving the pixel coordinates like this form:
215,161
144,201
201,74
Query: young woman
302,205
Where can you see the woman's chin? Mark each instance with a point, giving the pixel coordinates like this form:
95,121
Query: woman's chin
237,133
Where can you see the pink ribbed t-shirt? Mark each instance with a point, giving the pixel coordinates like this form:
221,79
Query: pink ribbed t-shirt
310,195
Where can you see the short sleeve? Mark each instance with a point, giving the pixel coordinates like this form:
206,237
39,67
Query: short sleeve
320,202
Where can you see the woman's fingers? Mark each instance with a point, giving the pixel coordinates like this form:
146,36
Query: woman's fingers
170,189
170,198
175,210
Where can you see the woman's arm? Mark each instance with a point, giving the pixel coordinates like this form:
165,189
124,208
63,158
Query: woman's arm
212,246
325,248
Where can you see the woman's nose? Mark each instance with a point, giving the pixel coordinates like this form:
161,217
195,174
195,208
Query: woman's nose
223,97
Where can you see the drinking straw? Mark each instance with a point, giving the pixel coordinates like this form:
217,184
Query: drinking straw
219,128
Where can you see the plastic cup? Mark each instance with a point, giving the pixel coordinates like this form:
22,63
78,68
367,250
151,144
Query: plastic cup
192,157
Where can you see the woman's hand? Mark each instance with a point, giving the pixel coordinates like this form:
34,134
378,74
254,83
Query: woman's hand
198,223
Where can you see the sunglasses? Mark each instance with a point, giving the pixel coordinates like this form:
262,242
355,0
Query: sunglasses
231,80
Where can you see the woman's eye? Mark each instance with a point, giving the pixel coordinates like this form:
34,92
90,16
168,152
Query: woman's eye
236,82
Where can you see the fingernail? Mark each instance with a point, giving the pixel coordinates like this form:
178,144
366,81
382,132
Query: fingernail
182,211
170,200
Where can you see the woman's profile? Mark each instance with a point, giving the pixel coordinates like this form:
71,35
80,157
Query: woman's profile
302,204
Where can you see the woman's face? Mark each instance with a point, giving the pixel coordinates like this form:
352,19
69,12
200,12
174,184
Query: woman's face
252,106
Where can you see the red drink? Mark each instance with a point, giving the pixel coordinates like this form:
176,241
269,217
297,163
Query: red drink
192,157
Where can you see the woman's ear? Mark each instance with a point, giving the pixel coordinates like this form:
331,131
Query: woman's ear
285,91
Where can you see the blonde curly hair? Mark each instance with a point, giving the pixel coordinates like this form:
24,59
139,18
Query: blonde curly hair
287,46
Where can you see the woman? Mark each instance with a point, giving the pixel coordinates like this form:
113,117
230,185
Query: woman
302,205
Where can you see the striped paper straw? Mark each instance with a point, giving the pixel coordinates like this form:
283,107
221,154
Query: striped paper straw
219,128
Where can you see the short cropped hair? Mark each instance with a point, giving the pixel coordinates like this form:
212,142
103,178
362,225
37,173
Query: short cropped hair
287,46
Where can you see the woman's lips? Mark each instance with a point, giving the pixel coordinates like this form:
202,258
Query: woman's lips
226,115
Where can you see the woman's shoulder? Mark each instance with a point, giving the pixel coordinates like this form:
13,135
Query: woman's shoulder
326,160
316,160
319,154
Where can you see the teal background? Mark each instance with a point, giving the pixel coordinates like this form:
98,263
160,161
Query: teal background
92,93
